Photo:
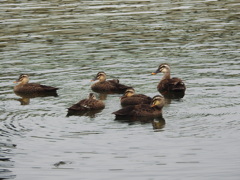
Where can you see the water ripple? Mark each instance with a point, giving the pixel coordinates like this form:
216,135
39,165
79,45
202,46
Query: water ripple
64,44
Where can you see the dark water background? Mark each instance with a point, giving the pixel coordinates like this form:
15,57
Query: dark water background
65,43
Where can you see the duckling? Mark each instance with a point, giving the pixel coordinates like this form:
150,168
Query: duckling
89,104
130,98
110,86
168,85
29,88
154,109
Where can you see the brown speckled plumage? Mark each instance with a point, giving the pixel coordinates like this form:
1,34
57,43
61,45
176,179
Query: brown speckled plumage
151,110
107,86
130,98
169,85
28,88
89,104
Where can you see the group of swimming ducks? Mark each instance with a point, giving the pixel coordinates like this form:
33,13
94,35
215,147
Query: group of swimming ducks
133,105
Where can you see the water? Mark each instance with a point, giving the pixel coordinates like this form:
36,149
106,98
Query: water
65,43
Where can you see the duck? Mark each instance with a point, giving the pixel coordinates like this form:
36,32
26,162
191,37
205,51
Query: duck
107,86
24,87
89,104
130,98
169,87
154,109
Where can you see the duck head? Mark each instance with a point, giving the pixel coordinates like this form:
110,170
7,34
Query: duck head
129,92
157,101
23,79
164,68
101,76
91,96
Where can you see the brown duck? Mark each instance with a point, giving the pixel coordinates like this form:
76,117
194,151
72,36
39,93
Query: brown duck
24,87
89,104
130,98
169,87
107,86
154,109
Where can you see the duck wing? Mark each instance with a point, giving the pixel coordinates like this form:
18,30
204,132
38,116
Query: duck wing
174,84
87,105
38,87
95,104
137,110
135,99
143,98
143,110
80,106
177,84
116,86
126,111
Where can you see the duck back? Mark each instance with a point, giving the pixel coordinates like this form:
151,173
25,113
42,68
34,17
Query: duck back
172,88
110,86
171,85
135,99
34,87
87,105
140,110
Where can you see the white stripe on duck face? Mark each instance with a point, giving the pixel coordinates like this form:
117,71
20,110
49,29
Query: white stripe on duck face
164,68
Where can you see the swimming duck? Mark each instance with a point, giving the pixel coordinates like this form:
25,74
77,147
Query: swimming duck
173,87
30,88
130,98
107,86
89,104
154,109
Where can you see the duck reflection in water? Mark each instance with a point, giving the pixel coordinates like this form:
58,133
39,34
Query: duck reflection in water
158,123
31,90
25,98
24,101
102,96
87,107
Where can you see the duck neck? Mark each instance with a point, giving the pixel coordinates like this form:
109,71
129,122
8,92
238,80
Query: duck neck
23,82
102,79
129,94
166,75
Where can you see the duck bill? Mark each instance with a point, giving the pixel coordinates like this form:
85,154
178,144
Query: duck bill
154,73
94,79
153,105
16,81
